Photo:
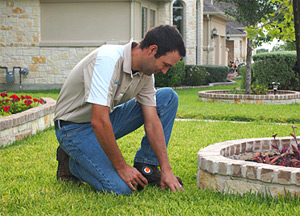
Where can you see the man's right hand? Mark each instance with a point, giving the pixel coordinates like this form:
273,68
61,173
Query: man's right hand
132,177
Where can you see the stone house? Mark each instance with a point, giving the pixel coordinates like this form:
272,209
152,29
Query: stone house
50,36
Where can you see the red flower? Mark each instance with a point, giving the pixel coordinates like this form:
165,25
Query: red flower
28,102
7,100
22,97
15,98
28,97
3,94
38,100
6,108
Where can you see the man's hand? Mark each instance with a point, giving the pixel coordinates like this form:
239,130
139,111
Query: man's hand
132,177
170,180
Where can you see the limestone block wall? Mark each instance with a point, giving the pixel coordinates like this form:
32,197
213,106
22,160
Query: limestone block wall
19,46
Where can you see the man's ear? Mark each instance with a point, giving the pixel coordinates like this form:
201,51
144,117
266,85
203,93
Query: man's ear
152,49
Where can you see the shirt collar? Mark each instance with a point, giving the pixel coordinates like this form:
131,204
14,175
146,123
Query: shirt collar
127,58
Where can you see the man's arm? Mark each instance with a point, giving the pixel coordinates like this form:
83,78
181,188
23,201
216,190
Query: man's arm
155,135
104,132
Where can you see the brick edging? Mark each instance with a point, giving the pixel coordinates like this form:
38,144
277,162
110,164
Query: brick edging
282,97
28,115
217,160
18,126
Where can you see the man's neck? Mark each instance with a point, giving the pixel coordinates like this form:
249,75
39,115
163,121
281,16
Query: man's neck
135,56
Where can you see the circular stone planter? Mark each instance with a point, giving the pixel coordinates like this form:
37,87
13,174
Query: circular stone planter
281,97
221,168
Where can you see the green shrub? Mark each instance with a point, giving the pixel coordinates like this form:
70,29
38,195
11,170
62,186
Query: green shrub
174,76
204,74
216,73
276,67
195,75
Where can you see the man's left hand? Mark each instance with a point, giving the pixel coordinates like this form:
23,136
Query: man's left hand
170,180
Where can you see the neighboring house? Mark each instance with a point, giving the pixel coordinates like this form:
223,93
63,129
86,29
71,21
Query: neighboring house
237,42
50,36
223,40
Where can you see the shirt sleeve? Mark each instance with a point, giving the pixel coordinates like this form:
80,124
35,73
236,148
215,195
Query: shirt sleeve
102,74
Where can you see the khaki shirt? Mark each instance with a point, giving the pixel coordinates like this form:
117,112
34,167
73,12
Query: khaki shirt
81,90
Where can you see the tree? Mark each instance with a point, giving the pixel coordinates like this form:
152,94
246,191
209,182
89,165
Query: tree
283,24
250,13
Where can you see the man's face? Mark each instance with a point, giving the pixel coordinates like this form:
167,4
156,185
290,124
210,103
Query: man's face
162,64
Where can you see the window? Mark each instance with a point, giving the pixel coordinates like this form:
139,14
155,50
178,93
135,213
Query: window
152,18
144,21
178,15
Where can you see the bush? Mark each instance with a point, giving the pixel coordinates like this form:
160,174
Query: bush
216,73
174,76
276,67
204,74
195,75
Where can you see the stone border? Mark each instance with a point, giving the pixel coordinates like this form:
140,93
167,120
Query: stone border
282,97
20,125
219,171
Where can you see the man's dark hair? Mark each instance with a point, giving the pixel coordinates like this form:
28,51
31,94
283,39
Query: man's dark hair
166,37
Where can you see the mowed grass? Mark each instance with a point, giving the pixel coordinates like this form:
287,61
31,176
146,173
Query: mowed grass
191,107
28,184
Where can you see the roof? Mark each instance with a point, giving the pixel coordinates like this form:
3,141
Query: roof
208,7
235,28
212,7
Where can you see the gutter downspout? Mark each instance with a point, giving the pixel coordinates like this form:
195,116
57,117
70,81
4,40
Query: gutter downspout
131,19
208,38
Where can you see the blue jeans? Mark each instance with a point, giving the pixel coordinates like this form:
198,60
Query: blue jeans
88,161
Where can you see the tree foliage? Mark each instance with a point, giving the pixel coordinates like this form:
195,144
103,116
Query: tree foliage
278,24
250,13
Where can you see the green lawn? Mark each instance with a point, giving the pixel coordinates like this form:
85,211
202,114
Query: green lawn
28,184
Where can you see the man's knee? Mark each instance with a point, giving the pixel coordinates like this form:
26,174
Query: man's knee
168,93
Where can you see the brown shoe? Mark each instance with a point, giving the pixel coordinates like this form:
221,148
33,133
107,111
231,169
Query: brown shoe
63,170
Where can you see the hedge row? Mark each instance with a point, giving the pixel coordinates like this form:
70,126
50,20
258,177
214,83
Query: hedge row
274,67
191,75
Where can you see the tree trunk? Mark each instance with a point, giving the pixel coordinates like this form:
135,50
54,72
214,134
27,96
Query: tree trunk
296,8
248,62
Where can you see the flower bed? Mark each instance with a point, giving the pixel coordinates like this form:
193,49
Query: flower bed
222,167
281,97
20,125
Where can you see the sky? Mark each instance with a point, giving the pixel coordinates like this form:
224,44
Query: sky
270,45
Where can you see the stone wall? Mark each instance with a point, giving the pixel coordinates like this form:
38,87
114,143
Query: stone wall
20,37
219,171
224,96
29,122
